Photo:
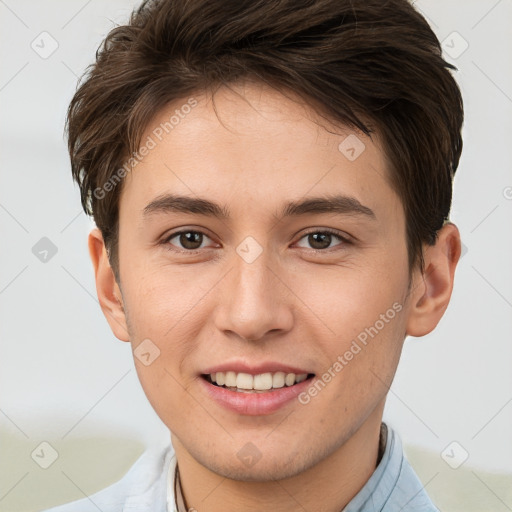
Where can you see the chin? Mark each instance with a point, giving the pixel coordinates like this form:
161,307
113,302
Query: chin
257,467
260,472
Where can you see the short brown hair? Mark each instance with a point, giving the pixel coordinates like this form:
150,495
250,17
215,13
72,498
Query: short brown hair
355,60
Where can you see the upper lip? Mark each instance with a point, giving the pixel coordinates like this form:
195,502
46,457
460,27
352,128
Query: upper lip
254,369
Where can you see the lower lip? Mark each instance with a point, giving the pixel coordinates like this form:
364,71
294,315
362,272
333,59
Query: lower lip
254,404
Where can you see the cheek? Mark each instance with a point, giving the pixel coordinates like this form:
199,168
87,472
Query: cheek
163,300
366,317
351,300
362,361
168,391
165,315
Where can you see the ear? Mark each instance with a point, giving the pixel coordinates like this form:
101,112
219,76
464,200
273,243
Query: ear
109,293
431,290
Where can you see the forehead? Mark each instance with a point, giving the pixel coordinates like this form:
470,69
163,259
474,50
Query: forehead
252,145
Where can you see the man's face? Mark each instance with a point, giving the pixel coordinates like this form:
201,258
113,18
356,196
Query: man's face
260,285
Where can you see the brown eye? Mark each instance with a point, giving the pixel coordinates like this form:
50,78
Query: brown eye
321,240
187,240
191,239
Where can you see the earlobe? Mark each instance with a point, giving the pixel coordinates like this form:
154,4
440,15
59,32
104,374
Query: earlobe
109,293
431,291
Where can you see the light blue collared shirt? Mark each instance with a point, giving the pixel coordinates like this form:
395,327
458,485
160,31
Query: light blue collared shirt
149,486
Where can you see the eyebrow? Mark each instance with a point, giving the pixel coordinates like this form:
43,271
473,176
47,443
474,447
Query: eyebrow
337,204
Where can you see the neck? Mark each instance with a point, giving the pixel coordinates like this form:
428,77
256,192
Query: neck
325,487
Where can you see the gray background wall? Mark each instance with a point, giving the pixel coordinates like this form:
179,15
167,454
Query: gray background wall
66,380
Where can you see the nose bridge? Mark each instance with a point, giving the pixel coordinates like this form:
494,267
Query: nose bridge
252,280
251,302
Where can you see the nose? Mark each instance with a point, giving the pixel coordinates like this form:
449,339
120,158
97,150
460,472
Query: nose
253,300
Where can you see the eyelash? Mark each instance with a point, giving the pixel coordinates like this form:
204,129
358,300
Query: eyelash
345,240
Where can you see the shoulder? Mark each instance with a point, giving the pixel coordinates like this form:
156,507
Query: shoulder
142,488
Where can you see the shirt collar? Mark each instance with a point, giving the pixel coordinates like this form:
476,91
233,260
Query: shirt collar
378,489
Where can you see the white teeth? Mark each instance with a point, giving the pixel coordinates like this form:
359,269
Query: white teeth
261,382
244,381
289,379
230,379
278,380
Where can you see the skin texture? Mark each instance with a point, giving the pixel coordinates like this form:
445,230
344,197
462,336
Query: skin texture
297,303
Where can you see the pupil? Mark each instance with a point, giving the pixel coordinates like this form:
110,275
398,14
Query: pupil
323,243
191,240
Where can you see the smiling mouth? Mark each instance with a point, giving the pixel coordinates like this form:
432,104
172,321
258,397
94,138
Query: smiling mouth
262,383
